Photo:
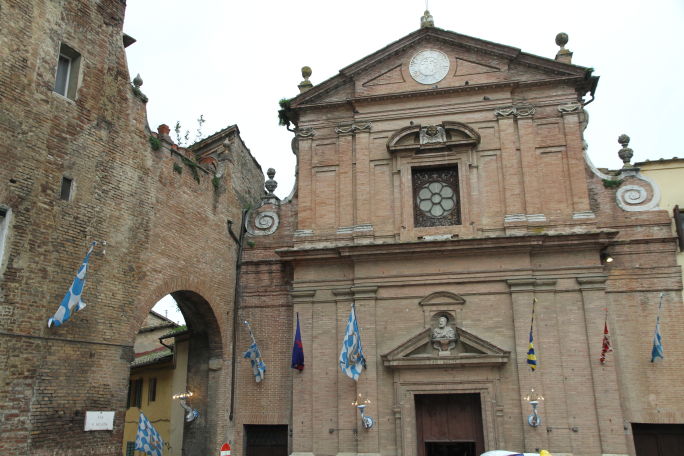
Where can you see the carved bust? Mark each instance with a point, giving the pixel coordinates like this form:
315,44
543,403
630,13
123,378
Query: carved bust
443,336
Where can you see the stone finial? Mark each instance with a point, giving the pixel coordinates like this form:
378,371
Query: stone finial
270,184
305,84
625,153
563,55
137,81
426,20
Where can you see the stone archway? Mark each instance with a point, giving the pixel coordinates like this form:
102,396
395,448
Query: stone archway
195,363
205,355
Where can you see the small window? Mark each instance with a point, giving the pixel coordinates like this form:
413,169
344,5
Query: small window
65,191
66,78
152,390
436,197
130,448
135,393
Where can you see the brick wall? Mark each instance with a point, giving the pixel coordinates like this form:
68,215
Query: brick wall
165,233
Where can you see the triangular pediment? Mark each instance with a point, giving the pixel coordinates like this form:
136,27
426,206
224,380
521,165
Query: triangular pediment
470,350
472,62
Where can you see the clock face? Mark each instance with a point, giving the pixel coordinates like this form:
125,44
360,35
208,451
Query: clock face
429,66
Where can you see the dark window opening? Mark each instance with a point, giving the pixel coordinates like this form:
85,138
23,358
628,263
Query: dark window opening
679,225
130,448
135,388
65,191
436,200
152,390
658,439
265,440
66,77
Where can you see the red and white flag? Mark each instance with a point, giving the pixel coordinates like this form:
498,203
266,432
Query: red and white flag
606,348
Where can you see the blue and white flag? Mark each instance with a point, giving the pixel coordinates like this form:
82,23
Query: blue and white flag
253,354
352,361
148,439
72,300
657,350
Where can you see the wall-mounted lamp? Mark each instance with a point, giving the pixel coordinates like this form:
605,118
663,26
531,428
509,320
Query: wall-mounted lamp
534,399
606,258
184,398
361,404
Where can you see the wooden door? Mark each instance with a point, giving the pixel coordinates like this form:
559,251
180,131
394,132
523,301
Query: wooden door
658,439
449,425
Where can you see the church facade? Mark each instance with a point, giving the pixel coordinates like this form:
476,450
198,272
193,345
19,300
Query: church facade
443,193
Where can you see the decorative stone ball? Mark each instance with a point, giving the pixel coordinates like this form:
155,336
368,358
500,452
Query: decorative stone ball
562,39
623,140
137,81
306,72
270,173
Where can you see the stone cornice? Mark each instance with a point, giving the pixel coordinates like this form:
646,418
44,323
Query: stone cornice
593,239
441,92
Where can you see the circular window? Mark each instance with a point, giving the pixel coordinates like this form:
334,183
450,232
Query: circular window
436,199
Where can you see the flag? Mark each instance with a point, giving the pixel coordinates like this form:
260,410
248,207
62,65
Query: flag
352,361
298,349
72,300
531,356
657,350
148,439
253,354
606,348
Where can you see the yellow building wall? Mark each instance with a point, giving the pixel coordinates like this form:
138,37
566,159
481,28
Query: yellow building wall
158,411
669,175
165,413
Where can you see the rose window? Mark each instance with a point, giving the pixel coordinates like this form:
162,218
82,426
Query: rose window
436,199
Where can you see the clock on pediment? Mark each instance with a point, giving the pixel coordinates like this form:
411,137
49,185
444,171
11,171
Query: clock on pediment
429,66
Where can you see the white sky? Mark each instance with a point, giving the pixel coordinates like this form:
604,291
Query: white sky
232,61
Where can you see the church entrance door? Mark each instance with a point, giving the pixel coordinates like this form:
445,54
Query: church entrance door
449,425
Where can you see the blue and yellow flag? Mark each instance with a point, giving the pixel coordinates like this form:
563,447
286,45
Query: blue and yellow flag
531,356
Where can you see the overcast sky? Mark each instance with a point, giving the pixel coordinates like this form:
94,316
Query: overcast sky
232,61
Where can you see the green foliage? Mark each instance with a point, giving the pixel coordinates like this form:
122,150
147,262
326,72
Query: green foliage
612,183
155,144
177,168
283,117
216,182
193,167
251,243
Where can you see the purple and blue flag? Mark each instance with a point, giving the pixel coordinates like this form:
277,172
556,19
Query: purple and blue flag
298,349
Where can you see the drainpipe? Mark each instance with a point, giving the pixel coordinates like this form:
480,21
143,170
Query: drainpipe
236,297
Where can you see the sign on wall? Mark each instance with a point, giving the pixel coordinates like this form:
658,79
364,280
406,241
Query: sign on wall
99,421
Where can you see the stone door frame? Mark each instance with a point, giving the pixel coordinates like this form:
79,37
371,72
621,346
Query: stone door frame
405,409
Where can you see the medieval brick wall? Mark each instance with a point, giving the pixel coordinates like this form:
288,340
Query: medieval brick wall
165,233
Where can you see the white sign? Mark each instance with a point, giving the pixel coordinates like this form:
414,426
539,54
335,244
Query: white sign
99,421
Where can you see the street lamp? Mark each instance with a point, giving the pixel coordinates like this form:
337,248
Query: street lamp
361,404
534,398
184,398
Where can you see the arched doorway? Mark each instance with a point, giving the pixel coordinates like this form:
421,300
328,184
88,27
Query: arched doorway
172,358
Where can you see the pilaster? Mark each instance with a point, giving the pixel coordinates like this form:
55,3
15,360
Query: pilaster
302,399
608,407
